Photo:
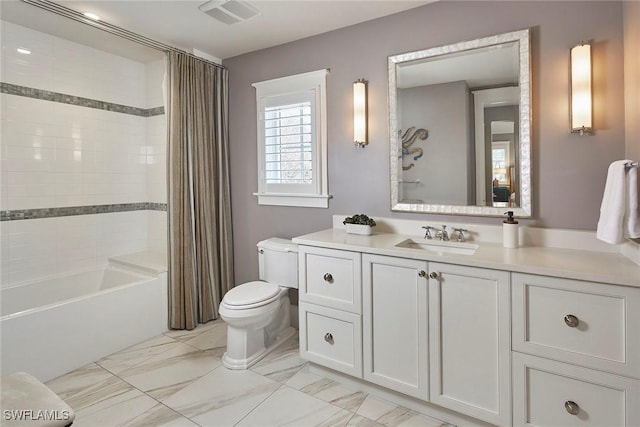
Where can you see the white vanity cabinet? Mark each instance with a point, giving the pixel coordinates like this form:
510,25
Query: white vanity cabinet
577,352
330,307
501,337
469,341
395,324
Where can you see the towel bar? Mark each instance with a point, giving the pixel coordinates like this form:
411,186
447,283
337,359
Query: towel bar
632,165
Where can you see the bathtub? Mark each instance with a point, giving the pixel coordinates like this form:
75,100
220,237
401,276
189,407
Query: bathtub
54,326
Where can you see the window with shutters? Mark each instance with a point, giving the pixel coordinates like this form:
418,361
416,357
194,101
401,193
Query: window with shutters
292,146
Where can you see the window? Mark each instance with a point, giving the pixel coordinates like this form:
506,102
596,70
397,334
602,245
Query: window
292,141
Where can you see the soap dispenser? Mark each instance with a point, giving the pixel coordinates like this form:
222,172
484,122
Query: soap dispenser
510,231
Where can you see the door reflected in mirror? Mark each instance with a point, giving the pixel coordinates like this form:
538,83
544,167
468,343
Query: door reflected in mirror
503,169
459,127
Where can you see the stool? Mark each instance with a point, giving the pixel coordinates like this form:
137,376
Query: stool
28,402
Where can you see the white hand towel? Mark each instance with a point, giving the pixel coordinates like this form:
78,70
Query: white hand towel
632,216
619,208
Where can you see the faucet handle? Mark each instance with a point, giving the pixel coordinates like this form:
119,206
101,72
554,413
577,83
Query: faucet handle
460,232
427,233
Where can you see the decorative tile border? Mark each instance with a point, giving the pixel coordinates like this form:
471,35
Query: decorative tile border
63,98
20,214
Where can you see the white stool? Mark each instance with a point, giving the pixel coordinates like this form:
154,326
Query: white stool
28,402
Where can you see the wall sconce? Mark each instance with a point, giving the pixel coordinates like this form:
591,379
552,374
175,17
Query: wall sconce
360,113
581,99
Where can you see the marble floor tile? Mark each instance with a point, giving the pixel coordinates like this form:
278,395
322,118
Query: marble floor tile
184,335
87,386
360,421
118,410
167,373
133,356
289,407
392,415
160,416
222,397
213,337
327,390
282,363
177,380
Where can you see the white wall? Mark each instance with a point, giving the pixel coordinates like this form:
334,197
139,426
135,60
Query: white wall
58,155
631,21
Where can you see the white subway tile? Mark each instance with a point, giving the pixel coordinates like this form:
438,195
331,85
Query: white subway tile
20,203
70,200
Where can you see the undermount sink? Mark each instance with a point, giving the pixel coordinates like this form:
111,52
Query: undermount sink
439,246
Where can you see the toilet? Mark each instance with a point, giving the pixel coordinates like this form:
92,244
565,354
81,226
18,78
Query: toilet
257,313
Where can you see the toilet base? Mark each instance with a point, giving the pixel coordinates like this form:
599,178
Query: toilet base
231,363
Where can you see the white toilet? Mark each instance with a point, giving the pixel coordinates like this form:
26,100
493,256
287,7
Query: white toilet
257,313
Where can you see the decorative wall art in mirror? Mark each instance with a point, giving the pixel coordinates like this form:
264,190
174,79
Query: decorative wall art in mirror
460,128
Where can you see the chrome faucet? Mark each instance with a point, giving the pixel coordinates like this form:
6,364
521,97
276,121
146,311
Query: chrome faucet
427,233
442,234
460,232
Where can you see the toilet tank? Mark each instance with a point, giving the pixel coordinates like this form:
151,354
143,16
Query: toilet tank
278,262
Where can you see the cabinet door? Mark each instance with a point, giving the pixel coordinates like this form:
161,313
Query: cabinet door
469,341
395,324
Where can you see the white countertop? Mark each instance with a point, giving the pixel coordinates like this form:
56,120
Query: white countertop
567,263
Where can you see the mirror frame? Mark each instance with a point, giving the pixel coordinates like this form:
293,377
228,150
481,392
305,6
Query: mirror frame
524,83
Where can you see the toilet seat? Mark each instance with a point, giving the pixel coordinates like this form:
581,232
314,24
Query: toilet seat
251,295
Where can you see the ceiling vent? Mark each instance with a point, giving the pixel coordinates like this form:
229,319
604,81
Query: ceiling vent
230,11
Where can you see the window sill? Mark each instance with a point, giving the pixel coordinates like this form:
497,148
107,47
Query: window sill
300,200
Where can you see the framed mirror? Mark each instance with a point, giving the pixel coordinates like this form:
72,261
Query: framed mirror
460,128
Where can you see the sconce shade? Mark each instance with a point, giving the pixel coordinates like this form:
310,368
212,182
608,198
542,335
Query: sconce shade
581,99
360,113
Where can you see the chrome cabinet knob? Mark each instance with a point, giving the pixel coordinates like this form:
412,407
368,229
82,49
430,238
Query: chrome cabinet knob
433,275
328,338
328,277
422,273
571,320
571,407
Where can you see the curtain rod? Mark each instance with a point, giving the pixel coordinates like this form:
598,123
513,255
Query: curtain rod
112,29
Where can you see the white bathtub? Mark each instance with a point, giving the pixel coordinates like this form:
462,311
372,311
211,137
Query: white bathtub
54,326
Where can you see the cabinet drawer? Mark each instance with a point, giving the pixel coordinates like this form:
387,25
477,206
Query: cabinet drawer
584,323
331,338
548,393
331,277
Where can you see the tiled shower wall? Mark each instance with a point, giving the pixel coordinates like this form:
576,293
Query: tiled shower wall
81,128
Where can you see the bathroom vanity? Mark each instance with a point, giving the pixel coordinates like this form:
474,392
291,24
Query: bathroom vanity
475,333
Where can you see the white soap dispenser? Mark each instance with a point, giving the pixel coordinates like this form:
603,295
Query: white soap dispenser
510,231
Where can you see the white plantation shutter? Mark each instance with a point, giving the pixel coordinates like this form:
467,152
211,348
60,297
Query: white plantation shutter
292,141
289,143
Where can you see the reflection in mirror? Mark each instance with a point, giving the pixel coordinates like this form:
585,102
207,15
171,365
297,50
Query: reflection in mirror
459,127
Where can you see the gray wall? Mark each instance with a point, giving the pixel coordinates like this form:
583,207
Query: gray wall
443,110
631,13
569,171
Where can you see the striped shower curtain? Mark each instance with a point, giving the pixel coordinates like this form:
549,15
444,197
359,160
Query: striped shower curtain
199,200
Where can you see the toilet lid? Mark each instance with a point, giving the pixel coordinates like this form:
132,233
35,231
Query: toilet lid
251,293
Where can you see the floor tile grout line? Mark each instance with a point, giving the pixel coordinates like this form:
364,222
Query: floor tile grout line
263,400
158,401
154,398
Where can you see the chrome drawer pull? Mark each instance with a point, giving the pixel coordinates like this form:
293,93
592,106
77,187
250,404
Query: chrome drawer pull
571,407
433,275
422,273
571,320
328,338
328,277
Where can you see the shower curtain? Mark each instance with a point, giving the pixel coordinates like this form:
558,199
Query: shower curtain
199,201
